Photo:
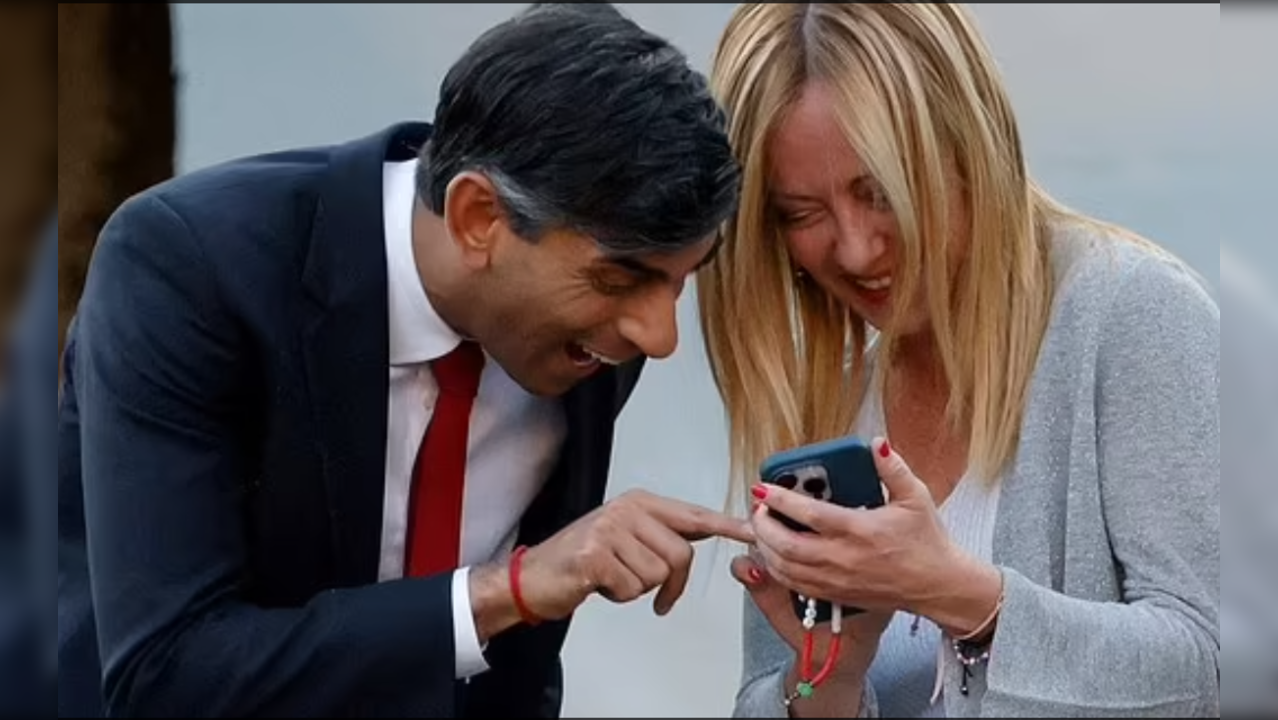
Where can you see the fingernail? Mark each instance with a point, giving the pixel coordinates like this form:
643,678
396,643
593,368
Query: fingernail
759,491
755,576
885,450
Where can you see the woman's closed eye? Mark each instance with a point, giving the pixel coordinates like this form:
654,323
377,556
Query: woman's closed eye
795,219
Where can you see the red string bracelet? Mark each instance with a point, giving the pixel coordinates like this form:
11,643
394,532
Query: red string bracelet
516,591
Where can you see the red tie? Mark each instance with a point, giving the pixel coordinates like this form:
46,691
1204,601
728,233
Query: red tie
435,510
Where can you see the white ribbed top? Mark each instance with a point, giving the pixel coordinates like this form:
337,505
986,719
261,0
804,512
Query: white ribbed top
905,671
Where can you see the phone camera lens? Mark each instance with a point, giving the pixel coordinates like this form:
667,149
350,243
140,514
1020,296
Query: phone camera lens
817,488
787,481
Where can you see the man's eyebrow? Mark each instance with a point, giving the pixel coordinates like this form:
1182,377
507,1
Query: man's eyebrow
638,268
643,271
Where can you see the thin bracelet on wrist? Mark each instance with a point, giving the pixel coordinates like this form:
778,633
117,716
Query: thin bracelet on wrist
514,570
986,625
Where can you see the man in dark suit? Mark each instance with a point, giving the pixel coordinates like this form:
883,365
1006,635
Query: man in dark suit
268,375
27,493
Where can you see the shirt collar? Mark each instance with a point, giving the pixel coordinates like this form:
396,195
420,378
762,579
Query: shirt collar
417,333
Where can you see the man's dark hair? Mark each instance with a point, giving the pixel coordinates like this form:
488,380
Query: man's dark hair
585,122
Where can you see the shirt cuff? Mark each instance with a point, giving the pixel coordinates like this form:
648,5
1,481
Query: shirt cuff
470,654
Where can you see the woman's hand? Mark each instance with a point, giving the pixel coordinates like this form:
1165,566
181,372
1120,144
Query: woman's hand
897,557
860,636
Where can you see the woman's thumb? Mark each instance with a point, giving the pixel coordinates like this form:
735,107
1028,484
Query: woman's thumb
748,572
898,479
770,596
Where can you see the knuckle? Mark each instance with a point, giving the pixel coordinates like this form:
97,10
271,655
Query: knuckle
604,526
590,557
809,514
681,556
600,570
684,554
660,571
787,546
874,535
699,516
636,496
628,590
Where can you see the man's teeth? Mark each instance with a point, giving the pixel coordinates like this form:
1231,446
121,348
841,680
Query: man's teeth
601,358
876,284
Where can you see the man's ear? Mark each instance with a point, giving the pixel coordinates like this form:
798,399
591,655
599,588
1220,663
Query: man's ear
474,217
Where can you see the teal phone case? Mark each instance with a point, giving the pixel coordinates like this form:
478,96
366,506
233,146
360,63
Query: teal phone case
840,471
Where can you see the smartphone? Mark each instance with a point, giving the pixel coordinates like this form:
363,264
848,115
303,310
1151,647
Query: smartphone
840,471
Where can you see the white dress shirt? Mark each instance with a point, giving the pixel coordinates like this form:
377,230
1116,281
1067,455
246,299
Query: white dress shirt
514,441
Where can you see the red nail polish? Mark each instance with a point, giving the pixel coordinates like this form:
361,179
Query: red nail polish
885,450
755,575
759,491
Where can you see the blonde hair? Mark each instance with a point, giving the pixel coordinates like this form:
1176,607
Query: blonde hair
918,96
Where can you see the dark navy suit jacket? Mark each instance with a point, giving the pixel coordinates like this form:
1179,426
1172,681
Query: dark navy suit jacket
228,387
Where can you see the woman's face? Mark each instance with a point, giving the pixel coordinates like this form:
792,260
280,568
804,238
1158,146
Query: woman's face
837,224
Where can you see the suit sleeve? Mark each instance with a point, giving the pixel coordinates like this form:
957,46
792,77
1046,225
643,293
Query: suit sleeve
158,371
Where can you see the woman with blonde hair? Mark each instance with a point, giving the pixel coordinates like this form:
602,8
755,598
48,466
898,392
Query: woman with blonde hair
1049,384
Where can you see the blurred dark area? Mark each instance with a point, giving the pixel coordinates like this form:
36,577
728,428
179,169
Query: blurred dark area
116,123
111,73
28,147
28,143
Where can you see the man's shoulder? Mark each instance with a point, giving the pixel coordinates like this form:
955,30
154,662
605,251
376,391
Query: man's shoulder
271,193
260,206
244,190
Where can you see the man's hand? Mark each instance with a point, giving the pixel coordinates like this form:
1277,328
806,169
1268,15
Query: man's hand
622,550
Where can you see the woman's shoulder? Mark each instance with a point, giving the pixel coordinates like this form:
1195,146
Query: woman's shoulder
1106,279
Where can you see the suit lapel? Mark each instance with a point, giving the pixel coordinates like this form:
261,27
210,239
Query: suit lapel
346,344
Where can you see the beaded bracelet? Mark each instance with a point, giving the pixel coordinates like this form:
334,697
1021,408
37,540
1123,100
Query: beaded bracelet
807,683
973,648
970,654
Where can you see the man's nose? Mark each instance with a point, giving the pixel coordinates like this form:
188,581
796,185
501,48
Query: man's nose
651,326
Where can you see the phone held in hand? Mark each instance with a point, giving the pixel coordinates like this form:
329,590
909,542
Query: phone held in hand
840,471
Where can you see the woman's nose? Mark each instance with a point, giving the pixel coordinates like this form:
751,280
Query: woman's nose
859,247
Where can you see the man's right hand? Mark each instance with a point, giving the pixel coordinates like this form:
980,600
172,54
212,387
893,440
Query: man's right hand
622,550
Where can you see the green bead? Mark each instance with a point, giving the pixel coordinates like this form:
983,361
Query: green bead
805,690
